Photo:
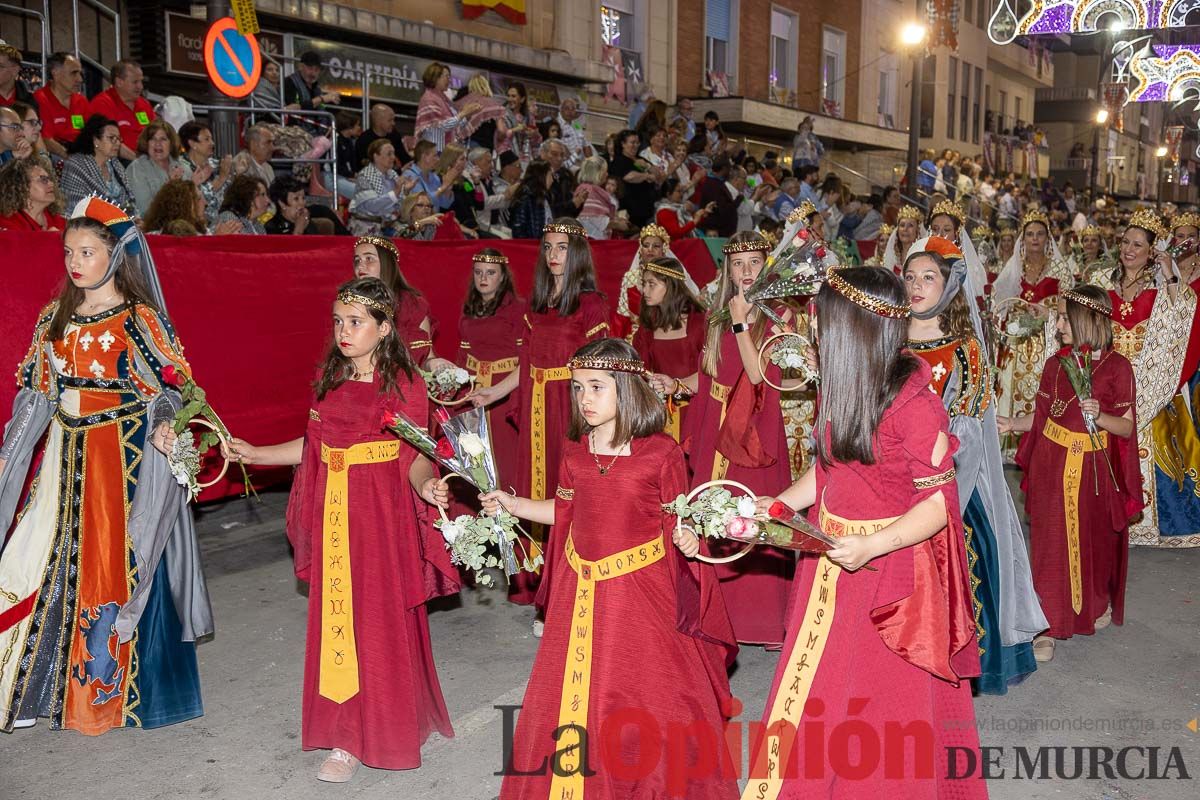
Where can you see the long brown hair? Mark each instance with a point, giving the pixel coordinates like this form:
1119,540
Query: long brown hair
475,306
127,278
640,412
389,272
176,200
955,320
679,300
863,366
579,276
391,356
711,357
1089,327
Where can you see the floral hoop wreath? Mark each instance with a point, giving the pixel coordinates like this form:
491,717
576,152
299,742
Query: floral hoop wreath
1003,307
470,386
692,495
807,372
202,422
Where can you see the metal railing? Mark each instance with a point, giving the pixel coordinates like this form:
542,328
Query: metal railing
103,10
43,18
330,157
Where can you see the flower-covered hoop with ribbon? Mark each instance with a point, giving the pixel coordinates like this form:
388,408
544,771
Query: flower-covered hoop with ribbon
785,356
695,493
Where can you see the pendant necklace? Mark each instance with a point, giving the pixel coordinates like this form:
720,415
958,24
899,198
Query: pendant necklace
603,469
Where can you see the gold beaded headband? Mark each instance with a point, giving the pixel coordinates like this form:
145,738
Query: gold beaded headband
670,272
950,209
885,231
631,365
749,246
655,230
1189,219
1147,220
569,228
379,241
1090,230
910,212
490,258
1086,302
802,212
349,298
1035,216
861,299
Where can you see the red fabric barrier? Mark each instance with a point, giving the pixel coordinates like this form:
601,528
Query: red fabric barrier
253,312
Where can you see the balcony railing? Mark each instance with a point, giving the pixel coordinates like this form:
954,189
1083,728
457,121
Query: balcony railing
1065,94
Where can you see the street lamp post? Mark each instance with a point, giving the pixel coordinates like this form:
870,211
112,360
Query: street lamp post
913,37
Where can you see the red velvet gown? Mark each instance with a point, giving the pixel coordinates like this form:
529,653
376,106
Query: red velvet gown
748,423
547,344
1103,517
659,646
397,562
411,311
487,348
677,358
869,653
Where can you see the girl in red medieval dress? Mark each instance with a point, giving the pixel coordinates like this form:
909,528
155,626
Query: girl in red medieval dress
1079,511
735,430
670,335
636,636
890,647
357,519
564,313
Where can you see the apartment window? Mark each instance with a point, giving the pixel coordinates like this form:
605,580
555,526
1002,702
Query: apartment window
717,36
964,102
833,70
1016,112
616,24
928,93
975,105
885,108
783,49
969,9
953,85
1001,119
981,14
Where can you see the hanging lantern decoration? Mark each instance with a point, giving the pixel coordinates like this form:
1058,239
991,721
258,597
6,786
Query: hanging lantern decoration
1172,138
943,22
1114,100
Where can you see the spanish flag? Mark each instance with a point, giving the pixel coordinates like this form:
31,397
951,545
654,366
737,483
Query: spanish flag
511,10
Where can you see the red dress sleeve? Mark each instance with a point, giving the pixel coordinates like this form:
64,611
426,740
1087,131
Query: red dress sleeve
595,315
1115,388
641,342
669,220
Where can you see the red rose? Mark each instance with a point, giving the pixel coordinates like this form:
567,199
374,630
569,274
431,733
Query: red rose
780,510
442,415
390,418
820,252
1066,351
802,235
444,449
1085,349
171,376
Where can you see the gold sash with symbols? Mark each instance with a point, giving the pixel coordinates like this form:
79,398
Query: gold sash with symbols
802,661
577,674
537,426
339,658
1076,445
486,371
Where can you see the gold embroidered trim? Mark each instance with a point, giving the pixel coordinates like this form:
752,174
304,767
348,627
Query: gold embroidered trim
597,329
934,480
313,415
564,494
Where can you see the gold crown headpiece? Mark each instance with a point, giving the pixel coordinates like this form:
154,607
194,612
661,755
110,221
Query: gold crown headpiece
1147,220
910,212
379,241
569,228
349,298
861,299
802,212
1189,218
1085,301
748,246
490,258
1035,215
981,232
1090,230
632,365
654,229
885,230
662,269
950,209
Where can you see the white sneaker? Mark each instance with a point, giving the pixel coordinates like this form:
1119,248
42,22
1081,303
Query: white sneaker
24,723
538,627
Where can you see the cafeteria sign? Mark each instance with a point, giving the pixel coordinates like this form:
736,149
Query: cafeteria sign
394,78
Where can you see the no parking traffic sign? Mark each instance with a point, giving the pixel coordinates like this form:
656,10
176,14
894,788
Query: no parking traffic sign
232,60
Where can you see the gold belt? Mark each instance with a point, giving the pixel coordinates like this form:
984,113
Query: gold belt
486,371
802,661
537,426
577,674
339,657
1076,445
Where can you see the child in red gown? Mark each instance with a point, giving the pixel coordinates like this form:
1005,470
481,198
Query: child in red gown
565,312
377,257
735,430
633,661
889,647
357,519
1079,512
670,335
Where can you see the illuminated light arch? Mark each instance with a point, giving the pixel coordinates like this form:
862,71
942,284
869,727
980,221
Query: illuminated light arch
1134,15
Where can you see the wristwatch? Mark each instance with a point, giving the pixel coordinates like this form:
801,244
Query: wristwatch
739,327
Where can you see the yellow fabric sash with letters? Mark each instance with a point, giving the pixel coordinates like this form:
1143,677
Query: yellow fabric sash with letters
537,425
486,371
1076,445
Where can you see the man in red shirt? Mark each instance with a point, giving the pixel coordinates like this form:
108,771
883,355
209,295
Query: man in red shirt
63,109
12,88
123,104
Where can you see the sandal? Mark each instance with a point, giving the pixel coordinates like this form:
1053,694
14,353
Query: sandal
1043,649
1104,620
339,767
